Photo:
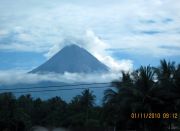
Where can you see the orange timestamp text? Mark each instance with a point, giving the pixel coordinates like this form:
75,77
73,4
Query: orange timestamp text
154,115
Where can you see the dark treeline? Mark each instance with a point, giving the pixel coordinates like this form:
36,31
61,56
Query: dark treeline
145,90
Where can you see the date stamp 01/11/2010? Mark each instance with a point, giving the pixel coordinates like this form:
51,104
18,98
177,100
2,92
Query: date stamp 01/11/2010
165,115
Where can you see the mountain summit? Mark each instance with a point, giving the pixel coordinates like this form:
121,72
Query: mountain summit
73,59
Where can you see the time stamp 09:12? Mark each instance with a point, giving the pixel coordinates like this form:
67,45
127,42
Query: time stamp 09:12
154,116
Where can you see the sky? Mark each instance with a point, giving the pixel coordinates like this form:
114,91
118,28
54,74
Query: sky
123,34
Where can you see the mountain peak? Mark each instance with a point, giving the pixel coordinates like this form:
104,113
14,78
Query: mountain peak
73,59
72,47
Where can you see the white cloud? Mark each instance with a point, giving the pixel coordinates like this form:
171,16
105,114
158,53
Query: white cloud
3,32
90,42
16,77
95,46
118,24
22,47
150,44
24,37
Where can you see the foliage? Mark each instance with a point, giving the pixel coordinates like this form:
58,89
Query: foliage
145,90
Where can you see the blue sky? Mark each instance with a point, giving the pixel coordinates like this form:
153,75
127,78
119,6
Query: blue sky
121,33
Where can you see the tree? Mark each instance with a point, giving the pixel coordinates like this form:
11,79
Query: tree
116,110
56,112
136,92
10,116
7,109
39,112
24,109
176,82
87,99
80,107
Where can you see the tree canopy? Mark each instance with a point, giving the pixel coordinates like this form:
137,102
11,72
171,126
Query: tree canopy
145,90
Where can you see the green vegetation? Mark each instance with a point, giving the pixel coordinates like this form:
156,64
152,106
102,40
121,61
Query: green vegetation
145,90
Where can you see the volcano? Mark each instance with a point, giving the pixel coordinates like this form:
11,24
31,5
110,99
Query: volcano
72,59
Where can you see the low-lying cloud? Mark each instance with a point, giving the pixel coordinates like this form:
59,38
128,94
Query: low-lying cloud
140,26
91,43
22,77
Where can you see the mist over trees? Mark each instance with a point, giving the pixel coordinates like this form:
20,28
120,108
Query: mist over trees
145,90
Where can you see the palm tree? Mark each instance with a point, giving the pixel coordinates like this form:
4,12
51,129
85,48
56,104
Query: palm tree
115,101
136,92
80,107
147,96
87,98
176,91
167,76
177,78
176,83
124,85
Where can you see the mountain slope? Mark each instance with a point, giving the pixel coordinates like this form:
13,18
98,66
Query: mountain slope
73,59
